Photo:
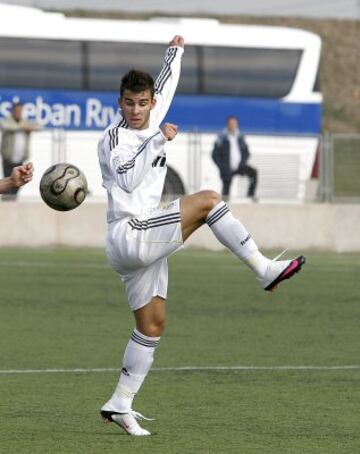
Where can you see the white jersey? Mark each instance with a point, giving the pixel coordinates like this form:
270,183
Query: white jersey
132,161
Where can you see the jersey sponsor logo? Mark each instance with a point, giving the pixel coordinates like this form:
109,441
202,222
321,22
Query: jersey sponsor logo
159,161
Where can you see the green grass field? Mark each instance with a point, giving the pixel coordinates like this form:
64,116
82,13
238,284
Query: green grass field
65,309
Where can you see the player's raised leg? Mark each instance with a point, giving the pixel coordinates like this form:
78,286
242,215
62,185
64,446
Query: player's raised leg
207,207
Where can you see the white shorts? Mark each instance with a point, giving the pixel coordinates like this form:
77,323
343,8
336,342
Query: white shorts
137,248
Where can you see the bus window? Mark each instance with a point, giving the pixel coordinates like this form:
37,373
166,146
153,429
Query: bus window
317,83
249,72
189,80
38,63
108,62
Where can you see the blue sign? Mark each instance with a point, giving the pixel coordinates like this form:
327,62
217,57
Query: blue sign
62,109
87,110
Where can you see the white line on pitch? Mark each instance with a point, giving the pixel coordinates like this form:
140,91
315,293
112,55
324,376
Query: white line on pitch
183,369
103,266
20,264
35,264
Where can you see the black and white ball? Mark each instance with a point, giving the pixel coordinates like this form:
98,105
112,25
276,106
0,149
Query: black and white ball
63,187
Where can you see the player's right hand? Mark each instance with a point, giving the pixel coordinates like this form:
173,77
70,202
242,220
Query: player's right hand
169,130
177,41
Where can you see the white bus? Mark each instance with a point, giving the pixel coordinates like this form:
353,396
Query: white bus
66,72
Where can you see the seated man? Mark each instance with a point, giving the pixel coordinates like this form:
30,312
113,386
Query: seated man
231,154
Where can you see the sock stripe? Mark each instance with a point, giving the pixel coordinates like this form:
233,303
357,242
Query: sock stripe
217,215
144,342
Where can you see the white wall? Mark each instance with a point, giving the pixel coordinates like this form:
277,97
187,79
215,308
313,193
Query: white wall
273,226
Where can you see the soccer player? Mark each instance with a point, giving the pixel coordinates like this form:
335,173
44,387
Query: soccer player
141,235
19,176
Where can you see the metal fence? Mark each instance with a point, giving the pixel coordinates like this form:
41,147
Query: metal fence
291,169
340,168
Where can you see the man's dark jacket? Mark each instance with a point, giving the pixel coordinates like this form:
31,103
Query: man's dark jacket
221,154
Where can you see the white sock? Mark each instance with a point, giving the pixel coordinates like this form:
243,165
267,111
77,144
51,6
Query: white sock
232,234
138,358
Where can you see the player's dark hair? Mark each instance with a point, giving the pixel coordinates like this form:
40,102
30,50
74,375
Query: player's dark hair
137,81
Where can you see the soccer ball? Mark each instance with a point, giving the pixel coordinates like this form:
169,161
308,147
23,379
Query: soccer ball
63,187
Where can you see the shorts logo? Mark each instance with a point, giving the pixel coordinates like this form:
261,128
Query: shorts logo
168,206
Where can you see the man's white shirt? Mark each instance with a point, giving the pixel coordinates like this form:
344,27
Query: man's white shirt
235,152
20,144
132,161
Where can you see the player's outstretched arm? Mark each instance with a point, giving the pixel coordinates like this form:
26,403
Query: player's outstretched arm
20,175
168,78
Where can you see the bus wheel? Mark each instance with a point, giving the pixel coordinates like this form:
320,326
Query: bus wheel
173,186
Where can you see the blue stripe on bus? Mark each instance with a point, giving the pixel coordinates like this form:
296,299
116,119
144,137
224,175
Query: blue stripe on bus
78,110
269,116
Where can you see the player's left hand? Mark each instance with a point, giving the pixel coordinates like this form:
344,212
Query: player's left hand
21,175
177,41
169,131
